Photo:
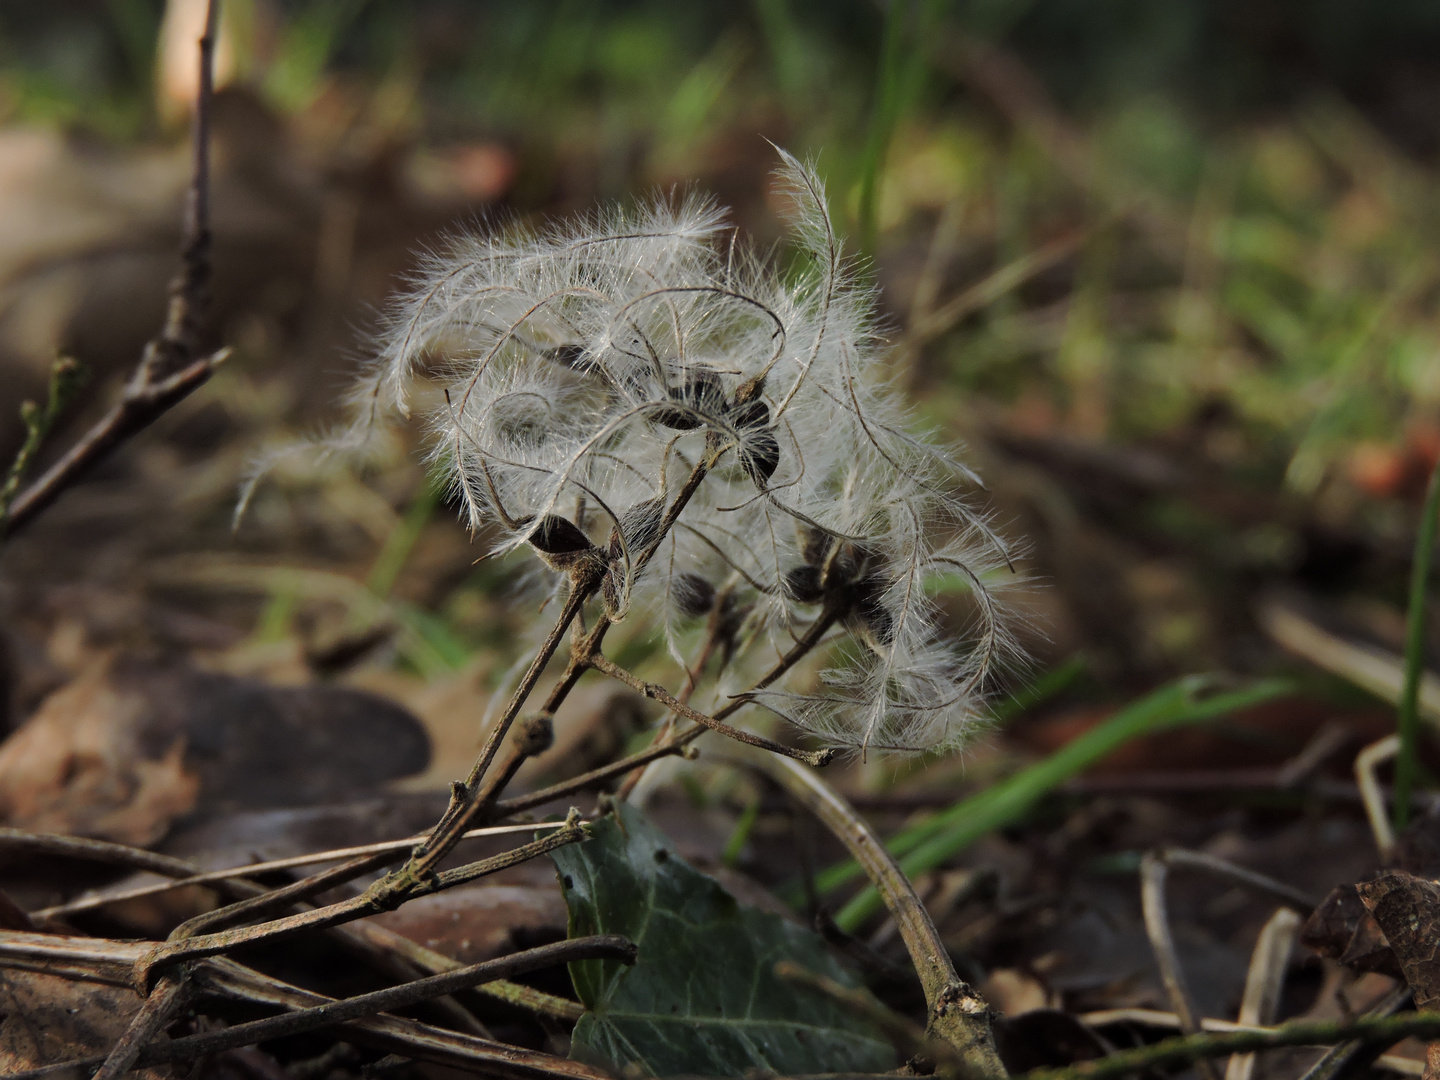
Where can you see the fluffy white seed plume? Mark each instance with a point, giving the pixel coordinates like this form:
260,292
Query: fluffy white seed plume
590,370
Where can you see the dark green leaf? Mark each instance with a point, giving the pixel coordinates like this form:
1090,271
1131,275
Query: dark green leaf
703,997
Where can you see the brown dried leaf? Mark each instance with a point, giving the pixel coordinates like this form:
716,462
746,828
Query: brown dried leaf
1330,926
1011,992
46,1019
1407,909
1343,930
473,923
80,766
128,747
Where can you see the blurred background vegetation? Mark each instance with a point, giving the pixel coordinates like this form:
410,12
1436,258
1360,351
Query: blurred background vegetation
1168,269
1171,269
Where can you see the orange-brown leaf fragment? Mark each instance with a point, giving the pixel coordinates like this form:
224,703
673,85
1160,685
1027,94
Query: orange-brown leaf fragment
47,1019
1407,910
81,765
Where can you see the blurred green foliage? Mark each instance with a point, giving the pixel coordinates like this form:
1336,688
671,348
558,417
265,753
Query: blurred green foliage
1254,271
88,62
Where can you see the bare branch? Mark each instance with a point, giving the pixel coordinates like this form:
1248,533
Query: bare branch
169,371
601,947
658,693
374,901
214,877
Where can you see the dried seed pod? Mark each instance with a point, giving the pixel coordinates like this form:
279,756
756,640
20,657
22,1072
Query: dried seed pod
640,525
814,544
624,355
557,536
693,594
869,615
699,393
535,734
802,584
760,456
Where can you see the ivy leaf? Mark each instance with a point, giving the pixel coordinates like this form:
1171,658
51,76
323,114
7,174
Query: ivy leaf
703,998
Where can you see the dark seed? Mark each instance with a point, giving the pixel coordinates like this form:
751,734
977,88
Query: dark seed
671,417
536,734
693,595
863,556
881,625
701,389
749,390
640,526
814,544
802,584
557,536
642,523
751,414
872,613
760,456
700,392
568,355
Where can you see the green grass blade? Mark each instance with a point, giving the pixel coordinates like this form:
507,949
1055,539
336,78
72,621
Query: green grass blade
1161,702
1047,686
925,846
398,545
1408,718
883,115
428,642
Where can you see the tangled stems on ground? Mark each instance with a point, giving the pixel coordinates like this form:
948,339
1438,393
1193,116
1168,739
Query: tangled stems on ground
1178,1052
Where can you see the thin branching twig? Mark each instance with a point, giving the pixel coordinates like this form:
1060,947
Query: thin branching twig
99,959
602,947
656,692
372,902
214,877
170,369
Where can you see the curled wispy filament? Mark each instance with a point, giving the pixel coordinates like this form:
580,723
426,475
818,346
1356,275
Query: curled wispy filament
734,432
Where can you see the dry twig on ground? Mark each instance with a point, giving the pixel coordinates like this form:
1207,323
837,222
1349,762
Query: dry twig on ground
171,367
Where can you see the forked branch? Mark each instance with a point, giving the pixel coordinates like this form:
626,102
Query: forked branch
170,368
656,692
